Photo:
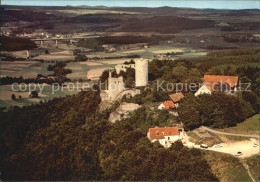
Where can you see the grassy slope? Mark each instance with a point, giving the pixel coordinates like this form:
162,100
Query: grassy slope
254,165
226,167
249,126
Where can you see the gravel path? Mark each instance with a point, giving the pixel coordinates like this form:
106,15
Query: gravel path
247,169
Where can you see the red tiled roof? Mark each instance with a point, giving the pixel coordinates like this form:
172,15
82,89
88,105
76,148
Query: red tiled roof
159,133
168,104
176,97
211,80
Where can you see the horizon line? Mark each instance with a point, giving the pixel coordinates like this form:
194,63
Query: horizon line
97,6
193,4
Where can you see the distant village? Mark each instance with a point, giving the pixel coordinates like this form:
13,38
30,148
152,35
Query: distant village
36,34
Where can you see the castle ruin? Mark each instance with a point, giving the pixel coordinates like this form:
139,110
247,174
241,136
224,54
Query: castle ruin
141,72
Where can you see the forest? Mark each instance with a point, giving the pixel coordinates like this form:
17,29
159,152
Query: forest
16,43
68,139
166,24
96,43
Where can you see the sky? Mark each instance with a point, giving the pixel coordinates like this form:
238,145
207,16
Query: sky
217,4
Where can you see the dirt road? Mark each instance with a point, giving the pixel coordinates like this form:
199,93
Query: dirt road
247,169
231,134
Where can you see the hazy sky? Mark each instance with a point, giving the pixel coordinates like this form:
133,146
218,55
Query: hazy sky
231,4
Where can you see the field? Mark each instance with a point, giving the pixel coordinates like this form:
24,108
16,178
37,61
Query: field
83,70
80,70
26,69
20,54
230,139
56,57
94,68
90,11
47,93
167,51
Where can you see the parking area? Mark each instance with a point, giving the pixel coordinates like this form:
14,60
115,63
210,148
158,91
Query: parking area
247,148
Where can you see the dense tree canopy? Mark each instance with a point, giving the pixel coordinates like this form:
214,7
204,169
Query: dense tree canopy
68,139
218,110
16,44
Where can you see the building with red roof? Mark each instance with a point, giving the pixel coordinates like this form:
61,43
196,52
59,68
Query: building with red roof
167,105
211,80
217,83
165,136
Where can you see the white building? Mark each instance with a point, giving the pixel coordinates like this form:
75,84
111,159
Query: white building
203,90
211,83
165,136
141,72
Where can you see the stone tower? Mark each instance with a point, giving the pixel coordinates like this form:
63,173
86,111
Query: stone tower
141,72
27,54
115,85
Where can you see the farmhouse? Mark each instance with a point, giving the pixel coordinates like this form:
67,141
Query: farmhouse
166,105
165,136
218,83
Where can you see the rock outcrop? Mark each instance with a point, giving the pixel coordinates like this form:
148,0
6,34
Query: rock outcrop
123,111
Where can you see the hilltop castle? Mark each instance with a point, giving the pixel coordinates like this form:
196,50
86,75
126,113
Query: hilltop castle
116,87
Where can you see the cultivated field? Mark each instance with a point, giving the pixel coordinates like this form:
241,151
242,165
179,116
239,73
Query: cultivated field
56,57
26,69
163,51
47,93
83,70
94,11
